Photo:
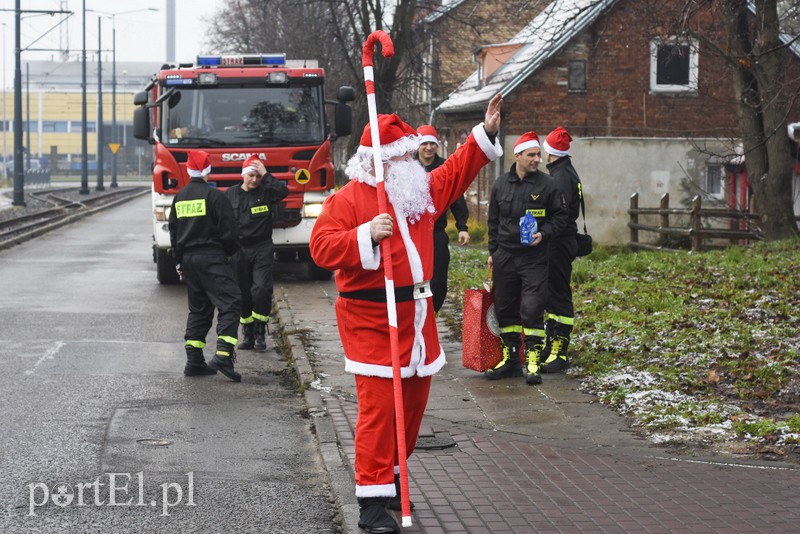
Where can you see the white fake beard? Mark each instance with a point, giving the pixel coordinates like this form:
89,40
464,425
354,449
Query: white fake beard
408,187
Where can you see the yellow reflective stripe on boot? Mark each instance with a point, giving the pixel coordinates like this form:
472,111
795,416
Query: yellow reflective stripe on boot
229,339
246,320
506,354
262,318
195,343
555,349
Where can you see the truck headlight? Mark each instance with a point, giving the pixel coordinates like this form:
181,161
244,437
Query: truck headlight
312,211
161,213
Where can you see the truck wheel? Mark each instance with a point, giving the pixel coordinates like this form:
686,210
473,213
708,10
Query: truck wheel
165,268
315,272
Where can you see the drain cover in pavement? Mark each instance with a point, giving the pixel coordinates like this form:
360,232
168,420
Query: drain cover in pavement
440,440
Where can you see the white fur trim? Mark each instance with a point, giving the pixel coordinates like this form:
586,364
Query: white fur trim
492,151
371,369
391,305
554,151
248,169
370,256
378,490
434,367
533,143
195,174
429,139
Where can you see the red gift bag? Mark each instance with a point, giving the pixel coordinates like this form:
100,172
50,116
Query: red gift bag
480,347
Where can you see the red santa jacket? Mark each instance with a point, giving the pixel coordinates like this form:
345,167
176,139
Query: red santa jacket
341,242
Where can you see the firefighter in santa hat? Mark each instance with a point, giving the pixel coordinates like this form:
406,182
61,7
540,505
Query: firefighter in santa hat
346,239
203,235
253,203
428,145
559,314
519,271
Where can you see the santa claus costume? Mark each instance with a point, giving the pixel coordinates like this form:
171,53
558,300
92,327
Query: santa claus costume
341,241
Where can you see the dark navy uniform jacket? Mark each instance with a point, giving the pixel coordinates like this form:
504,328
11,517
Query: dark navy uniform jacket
512,198
253,209
569,183
201,221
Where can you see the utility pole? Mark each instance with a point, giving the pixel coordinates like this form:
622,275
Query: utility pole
27,117
84,139
19,178
114,101
100,140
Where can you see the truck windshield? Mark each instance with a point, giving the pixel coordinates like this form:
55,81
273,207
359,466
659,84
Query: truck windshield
242,116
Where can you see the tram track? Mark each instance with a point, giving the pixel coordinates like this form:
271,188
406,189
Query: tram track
58,209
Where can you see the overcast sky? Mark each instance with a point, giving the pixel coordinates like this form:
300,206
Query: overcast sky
141,36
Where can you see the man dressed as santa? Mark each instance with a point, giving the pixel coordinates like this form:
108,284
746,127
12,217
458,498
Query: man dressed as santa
346,239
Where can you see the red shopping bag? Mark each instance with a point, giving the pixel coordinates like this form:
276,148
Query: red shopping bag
480,347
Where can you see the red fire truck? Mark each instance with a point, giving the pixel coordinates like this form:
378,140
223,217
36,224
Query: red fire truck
234,107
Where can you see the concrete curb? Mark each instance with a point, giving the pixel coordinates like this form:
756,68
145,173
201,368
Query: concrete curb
340,474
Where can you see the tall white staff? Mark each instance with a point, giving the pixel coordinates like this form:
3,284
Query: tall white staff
387,48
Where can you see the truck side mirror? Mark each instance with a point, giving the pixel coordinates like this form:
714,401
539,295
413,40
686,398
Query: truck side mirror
343,119
345,94
141,123
140,98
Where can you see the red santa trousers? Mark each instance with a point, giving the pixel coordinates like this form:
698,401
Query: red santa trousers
376,436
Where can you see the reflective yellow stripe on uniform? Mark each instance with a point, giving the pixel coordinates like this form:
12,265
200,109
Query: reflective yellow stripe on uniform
517,328
190,208
561,319
259,209
195,343
537,332
262,318
228,339
246,320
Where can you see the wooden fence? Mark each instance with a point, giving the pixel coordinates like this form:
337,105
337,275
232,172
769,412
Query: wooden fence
704,227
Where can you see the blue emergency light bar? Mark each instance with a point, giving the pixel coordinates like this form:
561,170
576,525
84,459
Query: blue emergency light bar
268,60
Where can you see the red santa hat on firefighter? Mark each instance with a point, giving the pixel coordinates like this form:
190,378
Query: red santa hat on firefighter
526,141
198,164
397,139
250,165
557,142
428,134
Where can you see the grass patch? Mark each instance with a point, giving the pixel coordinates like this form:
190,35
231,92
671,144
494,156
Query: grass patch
717,332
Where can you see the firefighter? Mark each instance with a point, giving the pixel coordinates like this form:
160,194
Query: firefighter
559,318
429,143
519,271
252,205
203,235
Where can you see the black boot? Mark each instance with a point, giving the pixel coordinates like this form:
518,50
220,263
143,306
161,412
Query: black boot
394,503
196,363
533,351
223,361
550,331
558,359
247,337
509,365
258,333
373,516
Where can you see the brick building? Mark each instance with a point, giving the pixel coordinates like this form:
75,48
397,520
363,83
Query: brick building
651,110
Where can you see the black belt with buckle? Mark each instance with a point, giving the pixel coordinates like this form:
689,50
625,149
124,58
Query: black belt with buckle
401,294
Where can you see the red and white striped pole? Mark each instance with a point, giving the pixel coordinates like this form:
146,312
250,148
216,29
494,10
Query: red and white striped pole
387,48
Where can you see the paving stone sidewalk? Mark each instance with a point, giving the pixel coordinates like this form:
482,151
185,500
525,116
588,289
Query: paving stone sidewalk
507,457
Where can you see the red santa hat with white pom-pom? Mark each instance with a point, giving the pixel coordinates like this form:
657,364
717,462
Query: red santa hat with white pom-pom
198,164
557,142
526,141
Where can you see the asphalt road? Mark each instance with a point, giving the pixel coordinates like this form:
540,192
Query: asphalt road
100,430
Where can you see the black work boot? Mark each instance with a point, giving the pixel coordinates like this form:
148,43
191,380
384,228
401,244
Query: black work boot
509,365
196,363
247,337
395,503
258,333
558,360
533,351
223,362
373,516
550,331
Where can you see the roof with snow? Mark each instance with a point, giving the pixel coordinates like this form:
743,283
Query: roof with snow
542,38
